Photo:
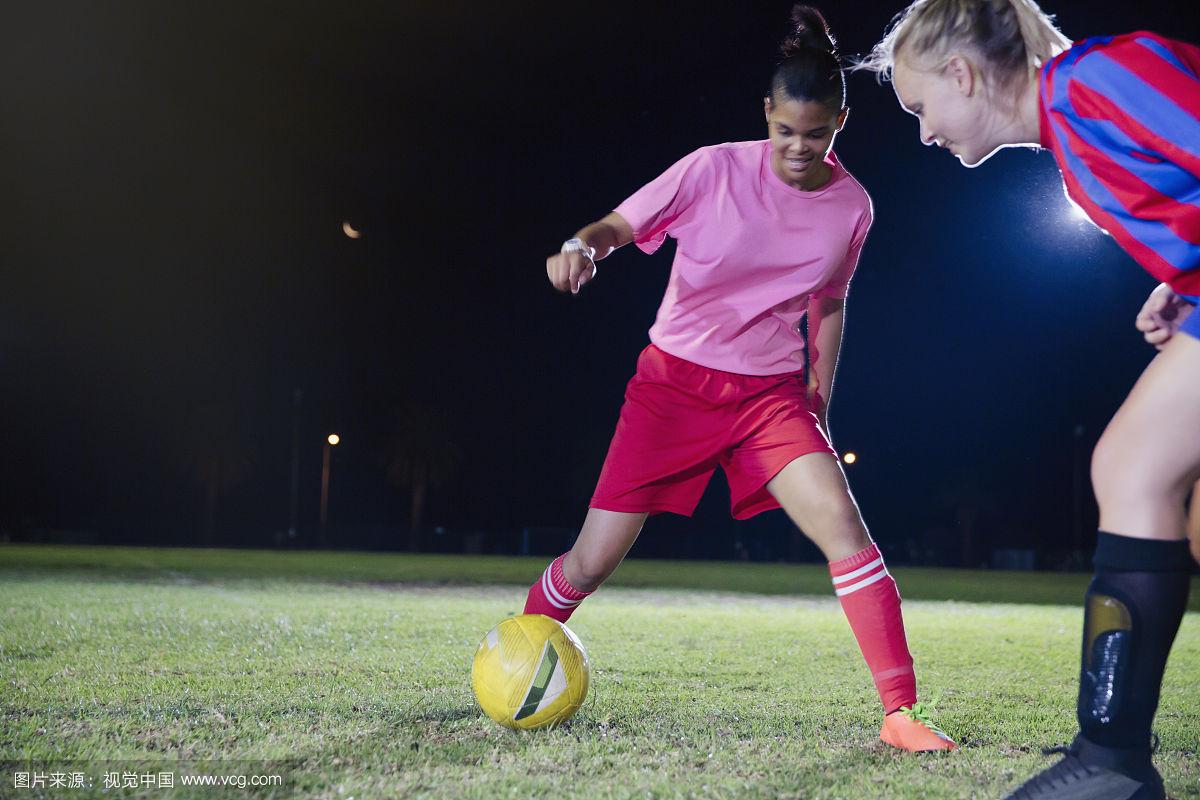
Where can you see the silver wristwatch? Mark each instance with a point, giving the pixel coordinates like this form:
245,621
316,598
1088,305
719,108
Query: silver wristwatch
578,245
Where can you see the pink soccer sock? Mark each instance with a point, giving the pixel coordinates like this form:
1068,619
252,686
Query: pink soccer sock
872,605
552,595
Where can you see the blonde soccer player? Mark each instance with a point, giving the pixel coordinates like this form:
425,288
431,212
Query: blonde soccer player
1121,116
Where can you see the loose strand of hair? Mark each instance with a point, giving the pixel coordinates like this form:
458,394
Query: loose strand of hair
933,27
1043,39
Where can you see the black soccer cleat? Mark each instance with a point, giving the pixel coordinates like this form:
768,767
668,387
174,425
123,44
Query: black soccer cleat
1090,772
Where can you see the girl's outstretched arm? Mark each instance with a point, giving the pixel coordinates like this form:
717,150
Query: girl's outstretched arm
571,270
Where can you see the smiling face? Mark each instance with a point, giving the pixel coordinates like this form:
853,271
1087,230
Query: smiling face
801,134
954,110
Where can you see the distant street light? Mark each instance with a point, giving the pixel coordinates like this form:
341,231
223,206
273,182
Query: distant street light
331,441
850,457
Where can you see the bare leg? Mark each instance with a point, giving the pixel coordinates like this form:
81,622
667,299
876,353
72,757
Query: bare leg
1143,467
1149,456
602,543
813,491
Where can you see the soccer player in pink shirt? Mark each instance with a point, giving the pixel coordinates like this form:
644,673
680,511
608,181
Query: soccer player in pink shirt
767,232
1121,114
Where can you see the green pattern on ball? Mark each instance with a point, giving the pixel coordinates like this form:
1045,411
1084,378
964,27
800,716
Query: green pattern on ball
537,689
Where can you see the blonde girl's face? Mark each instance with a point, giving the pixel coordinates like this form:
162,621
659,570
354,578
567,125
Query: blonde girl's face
952,107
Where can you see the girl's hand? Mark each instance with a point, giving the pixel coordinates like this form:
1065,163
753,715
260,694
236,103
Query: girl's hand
1161,315
575,264
820,409
570,271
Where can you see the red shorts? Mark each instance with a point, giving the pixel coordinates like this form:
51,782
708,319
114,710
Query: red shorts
680,420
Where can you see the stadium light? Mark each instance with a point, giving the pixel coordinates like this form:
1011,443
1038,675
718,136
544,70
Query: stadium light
850,457
1076,212
333,439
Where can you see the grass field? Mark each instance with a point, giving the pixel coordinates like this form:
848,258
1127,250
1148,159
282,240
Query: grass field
348,674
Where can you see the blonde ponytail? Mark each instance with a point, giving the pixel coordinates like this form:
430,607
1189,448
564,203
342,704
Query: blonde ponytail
1011,37
1042,39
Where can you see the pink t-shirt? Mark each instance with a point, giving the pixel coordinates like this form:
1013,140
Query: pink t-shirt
751,252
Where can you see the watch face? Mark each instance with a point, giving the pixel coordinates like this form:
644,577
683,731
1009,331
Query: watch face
577,246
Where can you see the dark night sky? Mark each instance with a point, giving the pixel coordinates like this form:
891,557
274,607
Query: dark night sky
175,183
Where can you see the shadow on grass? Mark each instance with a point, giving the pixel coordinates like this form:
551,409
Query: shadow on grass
443,715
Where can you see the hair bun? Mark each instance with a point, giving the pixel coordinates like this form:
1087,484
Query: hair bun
811,33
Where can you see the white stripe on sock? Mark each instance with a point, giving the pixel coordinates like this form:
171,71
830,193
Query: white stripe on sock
559,592
892,673
549,597
854,587
553,595
863,570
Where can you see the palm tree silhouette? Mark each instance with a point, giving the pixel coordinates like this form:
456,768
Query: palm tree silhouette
420,456
972,506
215,455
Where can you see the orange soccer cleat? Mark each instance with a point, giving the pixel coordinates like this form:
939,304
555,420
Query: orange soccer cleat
912,729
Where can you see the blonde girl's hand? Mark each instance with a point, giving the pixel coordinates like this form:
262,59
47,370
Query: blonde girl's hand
1161,315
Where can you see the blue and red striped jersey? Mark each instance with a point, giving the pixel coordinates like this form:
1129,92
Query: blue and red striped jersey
1122,116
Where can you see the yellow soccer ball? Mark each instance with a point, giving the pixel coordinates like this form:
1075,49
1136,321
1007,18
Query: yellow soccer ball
530,672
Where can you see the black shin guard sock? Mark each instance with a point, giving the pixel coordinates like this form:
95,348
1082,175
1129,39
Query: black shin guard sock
1133,608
